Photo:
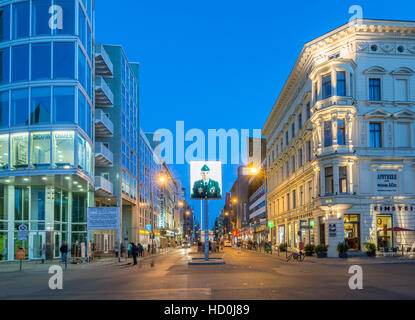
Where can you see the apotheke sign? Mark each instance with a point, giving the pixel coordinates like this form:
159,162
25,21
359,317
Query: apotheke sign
386,182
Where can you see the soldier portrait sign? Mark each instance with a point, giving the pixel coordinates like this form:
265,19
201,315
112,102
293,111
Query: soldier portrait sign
205,180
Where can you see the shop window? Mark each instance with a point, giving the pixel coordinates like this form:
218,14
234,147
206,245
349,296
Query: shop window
19,150
311,233
296,229
37,208
40,105
4,65
4,109
64,105
289,235
326,86
343,179
20,107
281,234
40,150
21,19
21,203
4,152
352,231
3,245
341,132
328,137
385,237
5,23
63,148
41,61
40,17
68,7
329,180
20,63
63,60
341,83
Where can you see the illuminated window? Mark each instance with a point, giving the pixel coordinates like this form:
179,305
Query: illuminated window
19,150
4,152
63,149
40,150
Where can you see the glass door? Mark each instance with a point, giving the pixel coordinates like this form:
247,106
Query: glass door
37,245
57,242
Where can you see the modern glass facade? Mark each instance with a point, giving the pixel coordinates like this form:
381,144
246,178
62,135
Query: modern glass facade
46,123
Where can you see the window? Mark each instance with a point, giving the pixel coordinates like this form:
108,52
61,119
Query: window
20,63
294,199
79,205
81,153
401,90
4,152
308,146
4,109
88,119
300,121
4,23
40,150
81,110
375,135
41,63
403,133
300,158
352,231
326,86
63,60
286,138
341,83
329,180
40,105
82,68
308,111
21,19
288,201
293,130
19,150
37,208
289,235
40,17
89,160
374,89
20,107
4,65
292,164
341,132
21,203
82,26
68,8
63,105
63,148
328,139
343,179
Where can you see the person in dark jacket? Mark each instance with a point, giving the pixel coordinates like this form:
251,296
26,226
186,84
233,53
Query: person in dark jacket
140,250
134,252
64,251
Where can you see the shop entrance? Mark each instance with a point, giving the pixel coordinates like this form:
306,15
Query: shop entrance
37,245
57,244
322,231
385,238
352,231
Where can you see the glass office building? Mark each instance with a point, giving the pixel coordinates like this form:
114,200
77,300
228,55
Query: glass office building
46,124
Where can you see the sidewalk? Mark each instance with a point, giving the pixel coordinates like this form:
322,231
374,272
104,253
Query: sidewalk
339,261
37,265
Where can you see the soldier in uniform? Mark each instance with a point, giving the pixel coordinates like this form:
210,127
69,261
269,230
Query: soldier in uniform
206,187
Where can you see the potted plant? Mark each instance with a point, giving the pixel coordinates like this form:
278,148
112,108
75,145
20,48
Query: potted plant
370,249
342,249
321,250
283,247
309,249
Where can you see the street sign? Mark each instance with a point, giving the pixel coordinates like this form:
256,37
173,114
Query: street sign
22,227
148,227
103,218
271,224
20,254
22,235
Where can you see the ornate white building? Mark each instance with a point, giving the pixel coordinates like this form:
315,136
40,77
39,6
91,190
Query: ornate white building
341,140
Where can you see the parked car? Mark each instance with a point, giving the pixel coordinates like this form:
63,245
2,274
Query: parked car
227,244
185,244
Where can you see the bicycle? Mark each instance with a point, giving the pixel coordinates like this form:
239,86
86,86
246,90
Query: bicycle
297,256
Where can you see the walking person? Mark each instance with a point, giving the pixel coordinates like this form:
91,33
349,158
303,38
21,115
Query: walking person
140,250
238,244
134,252
130,248
148,248
64,252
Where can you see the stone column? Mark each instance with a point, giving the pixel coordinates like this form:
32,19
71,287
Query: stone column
350,177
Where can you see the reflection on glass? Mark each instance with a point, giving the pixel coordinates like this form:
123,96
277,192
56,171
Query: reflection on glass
4,152
63,148
63,60
20,63
40,106
4,109
21,203
4,65
89,160
63,104
40,150
81,110
78,207
19,107
5,23
82,27
82,68
19,150
81,153
58,202
40,17
41,61
37,208
21,19
65,206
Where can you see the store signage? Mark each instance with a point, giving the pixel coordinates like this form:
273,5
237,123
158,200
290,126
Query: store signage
332,230
386,182
20,254
393,208
103,218
271,224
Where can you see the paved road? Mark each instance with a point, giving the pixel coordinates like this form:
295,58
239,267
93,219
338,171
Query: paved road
246,275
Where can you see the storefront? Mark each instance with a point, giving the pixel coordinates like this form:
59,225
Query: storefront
352,231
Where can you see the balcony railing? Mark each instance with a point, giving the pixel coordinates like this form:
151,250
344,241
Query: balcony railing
103,125
103,156
103,187
103,94
103,64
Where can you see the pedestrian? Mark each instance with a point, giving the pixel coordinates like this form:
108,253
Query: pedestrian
140,250
130,248
122,248
148,248
238,244
64,251
134,252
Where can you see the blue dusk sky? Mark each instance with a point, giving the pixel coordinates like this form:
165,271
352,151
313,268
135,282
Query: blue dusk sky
220,63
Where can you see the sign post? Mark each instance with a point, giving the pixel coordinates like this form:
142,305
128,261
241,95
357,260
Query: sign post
206,230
